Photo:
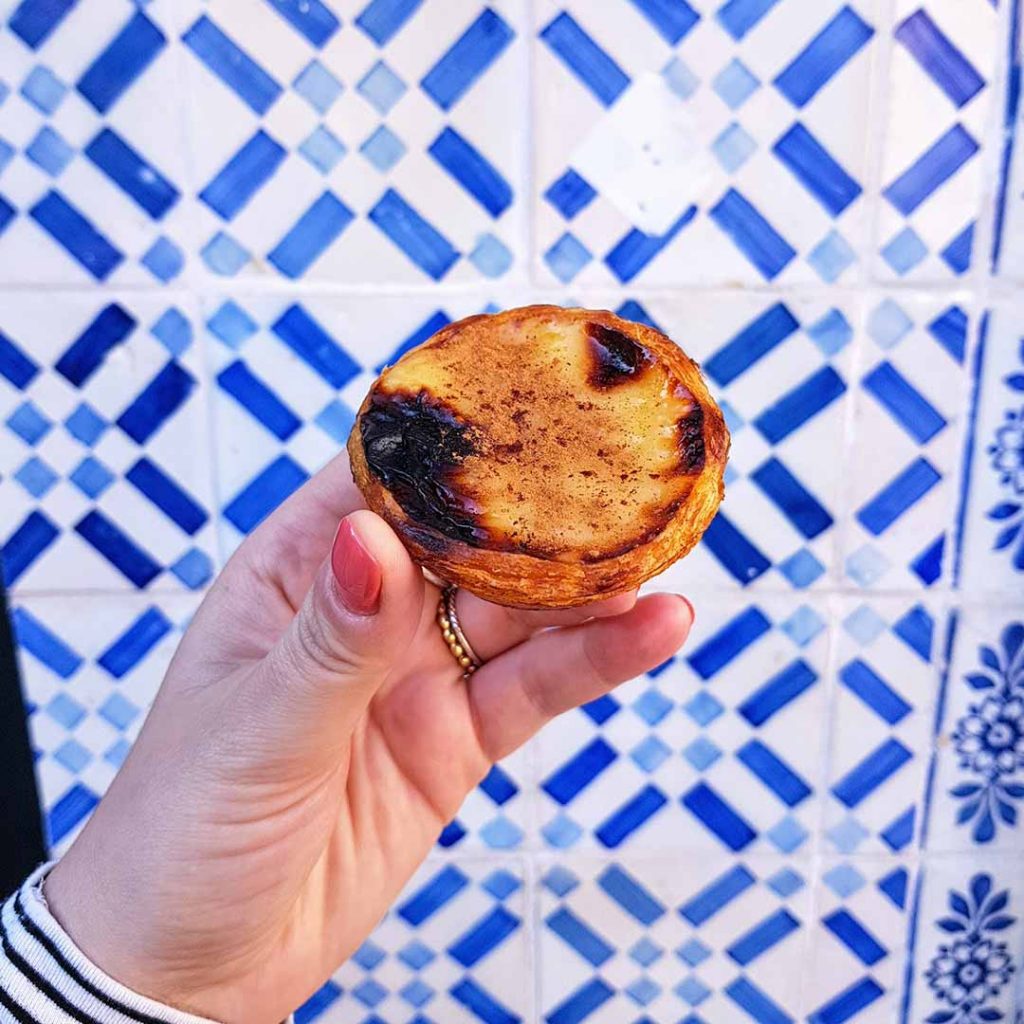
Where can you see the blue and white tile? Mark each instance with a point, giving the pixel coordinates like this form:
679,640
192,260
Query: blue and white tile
992,511
858,940
780,365
105,480
888,659
90,670
688,938
699,755
701,143
379,147
1008,240
453,948
977,783
939,88
968,941
906,436
93,175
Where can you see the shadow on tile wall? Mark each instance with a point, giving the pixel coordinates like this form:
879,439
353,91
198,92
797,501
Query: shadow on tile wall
219,219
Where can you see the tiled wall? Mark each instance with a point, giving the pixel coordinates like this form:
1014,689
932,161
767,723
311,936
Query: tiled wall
218,219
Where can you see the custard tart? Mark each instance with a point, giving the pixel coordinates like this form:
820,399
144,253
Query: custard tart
542,457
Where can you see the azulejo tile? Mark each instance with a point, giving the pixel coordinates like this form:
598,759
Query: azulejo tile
858,940
977,784
991,517
383,147
106,483
453,948
939,91
702,144
690,938
92,173
90,670
1007,248
906,441
700,754
968,941
888,660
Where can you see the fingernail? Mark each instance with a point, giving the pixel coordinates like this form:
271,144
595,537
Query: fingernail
686,601
356,571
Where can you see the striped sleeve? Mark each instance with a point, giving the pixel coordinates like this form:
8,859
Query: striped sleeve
46,979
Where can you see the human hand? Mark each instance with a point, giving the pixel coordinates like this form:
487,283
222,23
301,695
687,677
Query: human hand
311,739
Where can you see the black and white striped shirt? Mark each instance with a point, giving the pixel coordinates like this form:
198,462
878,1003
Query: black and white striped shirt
46,979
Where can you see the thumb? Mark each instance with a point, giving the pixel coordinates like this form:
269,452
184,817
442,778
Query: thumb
357,621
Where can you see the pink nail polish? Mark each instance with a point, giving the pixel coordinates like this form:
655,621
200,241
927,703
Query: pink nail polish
356,571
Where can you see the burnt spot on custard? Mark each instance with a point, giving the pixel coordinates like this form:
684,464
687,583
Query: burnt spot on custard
691,440
615,357
414,446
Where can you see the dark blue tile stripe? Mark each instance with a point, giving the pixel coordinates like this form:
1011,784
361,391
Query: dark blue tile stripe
481,1003
498,786
7,213
933,168
127,56
861,679
473,171
582,1003
826,53
311,18
729,642
426,330
900,831
918,417
774,773
782,688
752,343
68,811
168,496
892,501
314,346
580,936
719,817
797,503
238,381
133,173
746,995
1012,105
928,564
135,643
469,57
243,175
850,1001
672,18
949,329
44,645
894,885
264,493
585,59
632,310
577,773
25,545
752,234
722,891
816,169
117,548
737,553
112,326
628,818
845,927
770,932
867,776
636,249
916,629
34,20
444,886
76,234
158,401
570,194
957,255
738,17
934,51
418,239
481,939
232,65
382,19
15,365
630,895
794,409
311,235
